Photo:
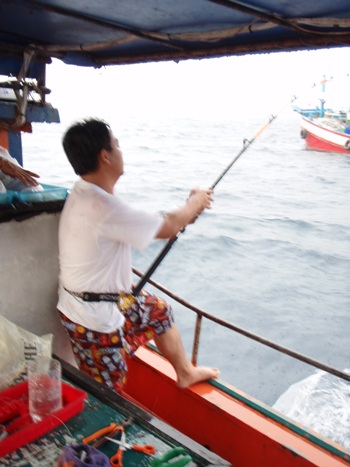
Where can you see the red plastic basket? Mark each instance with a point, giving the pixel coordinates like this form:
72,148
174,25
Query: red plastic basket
23,429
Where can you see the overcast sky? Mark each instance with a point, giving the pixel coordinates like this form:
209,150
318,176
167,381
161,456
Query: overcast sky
220,86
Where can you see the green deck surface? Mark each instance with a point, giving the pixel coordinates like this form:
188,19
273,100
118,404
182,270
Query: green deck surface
46,450
101,408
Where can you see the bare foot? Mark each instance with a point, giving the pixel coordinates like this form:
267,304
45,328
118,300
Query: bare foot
197,374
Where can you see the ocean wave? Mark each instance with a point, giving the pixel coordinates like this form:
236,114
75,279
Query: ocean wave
322,403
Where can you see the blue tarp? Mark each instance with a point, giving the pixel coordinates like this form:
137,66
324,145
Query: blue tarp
91,33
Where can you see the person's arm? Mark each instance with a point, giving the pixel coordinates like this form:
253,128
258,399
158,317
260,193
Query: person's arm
16,171
194,206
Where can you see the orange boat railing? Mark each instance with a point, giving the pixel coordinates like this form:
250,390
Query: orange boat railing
203,314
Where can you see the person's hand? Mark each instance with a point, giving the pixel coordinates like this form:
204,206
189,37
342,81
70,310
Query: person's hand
176,221
202,200
16,171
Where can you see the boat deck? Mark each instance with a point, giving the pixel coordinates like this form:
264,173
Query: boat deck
101,408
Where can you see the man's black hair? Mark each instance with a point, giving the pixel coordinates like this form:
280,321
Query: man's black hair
83,142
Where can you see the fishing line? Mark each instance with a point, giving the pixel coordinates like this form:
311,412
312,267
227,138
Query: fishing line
246,143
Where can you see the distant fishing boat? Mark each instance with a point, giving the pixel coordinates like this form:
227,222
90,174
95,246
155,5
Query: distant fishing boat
325,129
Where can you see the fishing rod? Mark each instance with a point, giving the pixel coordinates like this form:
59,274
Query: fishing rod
246,143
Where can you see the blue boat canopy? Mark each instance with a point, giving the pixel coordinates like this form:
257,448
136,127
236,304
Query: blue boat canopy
91,33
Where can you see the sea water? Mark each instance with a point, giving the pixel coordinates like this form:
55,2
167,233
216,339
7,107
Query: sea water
321,402
272,256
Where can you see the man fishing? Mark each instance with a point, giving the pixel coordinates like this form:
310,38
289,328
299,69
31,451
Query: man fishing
104,321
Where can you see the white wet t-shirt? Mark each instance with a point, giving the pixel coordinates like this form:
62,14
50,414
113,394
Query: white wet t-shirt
96,233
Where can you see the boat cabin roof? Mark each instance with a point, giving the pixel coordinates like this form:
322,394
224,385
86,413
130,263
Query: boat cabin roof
90,33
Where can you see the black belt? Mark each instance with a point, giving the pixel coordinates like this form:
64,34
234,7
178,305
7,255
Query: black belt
95,297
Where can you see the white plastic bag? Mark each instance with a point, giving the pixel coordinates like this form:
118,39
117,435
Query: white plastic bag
17,347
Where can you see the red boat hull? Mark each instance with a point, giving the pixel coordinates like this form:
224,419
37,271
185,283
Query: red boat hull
319,138
317,144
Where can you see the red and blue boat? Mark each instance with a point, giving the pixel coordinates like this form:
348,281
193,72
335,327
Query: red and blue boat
324,129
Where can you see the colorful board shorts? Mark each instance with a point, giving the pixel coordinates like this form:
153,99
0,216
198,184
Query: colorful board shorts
103,355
